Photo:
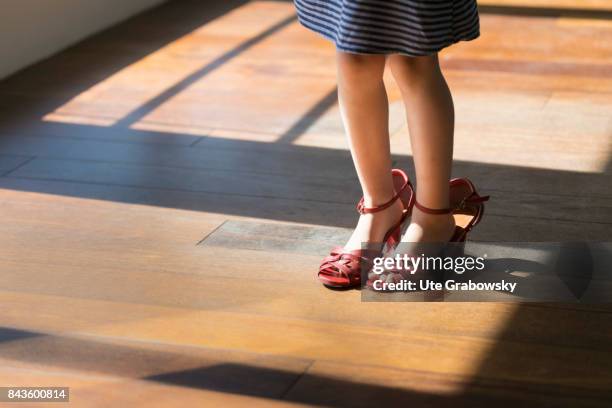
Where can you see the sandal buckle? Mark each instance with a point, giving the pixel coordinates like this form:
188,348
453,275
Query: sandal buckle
360,207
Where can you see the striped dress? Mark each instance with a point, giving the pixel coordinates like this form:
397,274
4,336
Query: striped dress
408,27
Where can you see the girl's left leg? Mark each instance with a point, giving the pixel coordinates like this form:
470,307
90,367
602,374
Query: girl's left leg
430,112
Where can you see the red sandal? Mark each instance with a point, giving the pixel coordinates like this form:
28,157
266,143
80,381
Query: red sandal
342,269
467,207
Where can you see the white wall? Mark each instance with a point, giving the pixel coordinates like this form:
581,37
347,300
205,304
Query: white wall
31,30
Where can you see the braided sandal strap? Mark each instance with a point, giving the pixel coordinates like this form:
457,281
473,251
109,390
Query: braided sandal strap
347,264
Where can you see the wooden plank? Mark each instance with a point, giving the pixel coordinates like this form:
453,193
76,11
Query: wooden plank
525,83
519,133
580,102
312,189
245,156
540,39
96,220
325,213
24,126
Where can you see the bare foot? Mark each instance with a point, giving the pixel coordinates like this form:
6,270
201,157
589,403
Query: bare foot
372,228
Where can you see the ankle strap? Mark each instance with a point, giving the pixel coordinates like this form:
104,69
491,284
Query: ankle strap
362,209
433,211
473,198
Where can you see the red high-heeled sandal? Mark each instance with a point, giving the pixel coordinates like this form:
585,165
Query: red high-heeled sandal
467,207
342,269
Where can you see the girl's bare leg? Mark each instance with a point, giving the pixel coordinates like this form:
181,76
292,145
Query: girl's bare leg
365,113
430,112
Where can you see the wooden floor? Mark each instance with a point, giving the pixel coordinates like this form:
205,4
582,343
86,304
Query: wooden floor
168,187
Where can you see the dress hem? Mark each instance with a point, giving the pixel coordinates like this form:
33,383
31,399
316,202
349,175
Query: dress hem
387,51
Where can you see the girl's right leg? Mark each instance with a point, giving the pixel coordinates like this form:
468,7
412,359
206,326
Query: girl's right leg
365,113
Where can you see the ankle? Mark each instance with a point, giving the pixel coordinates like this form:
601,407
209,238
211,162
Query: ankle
441,221
429,227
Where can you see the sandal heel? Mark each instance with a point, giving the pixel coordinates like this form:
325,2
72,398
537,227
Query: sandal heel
394,239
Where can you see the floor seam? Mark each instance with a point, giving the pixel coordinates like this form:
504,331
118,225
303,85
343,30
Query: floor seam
211,232
297,380
20,165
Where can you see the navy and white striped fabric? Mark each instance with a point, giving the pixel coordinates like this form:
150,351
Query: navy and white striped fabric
407,27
